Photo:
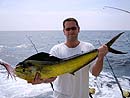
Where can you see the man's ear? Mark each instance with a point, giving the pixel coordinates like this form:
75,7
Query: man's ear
79,29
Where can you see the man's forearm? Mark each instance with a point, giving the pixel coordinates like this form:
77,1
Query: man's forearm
97,68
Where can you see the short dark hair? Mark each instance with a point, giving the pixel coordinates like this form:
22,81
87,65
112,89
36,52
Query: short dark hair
70,19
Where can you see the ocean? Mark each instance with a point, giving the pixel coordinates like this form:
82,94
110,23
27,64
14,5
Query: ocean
15,46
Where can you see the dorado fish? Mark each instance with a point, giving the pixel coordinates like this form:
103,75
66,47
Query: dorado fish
47,66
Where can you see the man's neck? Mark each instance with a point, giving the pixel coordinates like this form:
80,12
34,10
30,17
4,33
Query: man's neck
72,44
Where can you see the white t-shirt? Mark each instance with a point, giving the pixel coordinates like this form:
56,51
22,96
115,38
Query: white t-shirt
72,86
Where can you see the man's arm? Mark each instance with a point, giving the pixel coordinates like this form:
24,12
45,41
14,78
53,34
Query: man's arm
97,68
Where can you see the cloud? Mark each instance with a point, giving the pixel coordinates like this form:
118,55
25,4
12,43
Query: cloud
48,15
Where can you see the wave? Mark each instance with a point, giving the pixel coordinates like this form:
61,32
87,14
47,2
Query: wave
23,46
104,84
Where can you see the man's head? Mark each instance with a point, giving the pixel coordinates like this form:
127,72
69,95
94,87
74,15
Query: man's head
70,19
71,29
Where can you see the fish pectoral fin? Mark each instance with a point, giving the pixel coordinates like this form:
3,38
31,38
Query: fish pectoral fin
37,76
72,73
52,86
116,51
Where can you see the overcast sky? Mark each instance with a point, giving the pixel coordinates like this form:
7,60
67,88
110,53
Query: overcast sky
49,14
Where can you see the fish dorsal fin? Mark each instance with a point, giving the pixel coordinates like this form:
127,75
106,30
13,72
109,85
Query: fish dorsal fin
42,56
72,73
78,55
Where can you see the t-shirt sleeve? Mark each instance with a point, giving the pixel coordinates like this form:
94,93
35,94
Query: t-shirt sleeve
54,51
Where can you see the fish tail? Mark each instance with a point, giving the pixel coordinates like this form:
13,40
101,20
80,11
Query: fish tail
111,42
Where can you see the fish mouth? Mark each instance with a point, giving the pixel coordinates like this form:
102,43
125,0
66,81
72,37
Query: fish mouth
18,74
23,75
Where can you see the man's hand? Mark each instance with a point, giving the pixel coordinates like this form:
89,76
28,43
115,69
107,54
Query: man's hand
103,50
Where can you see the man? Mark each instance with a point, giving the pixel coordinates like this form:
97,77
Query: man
77,86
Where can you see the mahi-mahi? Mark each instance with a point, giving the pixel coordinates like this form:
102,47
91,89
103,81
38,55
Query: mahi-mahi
48,66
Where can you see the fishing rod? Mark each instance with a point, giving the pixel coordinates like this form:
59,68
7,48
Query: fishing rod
117,9
90,95
37,52
32,43
114,75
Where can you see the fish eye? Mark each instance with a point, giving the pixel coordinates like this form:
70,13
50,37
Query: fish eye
23,70
30,71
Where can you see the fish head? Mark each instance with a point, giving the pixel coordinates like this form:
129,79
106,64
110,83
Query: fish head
25,70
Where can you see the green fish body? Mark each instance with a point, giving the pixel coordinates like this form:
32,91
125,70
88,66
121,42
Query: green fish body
49,66
48,69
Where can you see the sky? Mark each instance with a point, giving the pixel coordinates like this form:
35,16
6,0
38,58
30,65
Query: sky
49,14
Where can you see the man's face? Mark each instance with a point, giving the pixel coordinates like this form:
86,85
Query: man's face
71,30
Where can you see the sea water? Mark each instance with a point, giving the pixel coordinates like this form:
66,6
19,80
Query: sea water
15,46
